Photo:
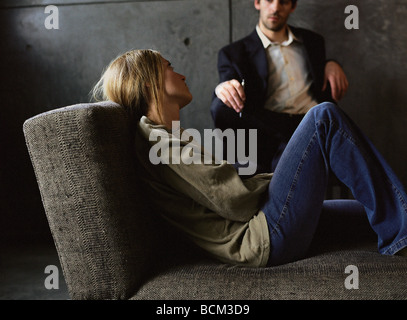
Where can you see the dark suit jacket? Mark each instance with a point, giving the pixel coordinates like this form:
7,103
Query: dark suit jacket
246,59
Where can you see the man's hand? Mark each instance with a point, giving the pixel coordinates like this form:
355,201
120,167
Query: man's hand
337,79
232,94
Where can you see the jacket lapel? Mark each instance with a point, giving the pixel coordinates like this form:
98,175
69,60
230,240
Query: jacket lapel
308,49
257,56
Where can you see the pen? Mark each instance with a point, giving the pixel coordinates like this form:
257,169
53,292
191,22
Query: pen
240,113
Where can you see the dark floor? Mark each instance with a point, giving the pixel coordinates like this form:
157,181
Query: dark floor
22,272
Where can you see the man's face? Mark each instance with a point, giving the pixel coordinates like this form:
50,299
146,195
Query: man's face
274,13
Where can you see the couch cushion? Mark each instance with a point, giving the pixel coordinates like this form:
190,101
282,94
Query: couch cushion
342,240
319,277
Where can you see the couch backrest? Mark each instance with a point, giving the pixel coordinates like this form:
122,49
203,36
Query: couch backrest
84,164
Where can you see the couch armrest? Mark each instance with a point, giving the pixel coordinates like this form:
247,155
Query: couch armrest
86,172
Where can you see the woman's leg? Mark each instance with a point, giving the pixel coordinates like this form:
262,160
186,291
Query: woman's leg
328,140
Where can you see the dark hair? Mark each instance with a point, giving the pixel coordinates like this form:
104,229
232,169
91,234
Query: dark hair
293,2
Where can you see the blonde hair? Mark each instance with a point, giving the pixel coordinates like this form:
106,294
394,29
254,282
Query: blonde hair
133,80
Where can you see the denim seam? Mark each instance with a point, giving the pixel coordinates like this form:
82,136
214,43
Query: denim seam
342,132
402,200
294,183
402,242
396,246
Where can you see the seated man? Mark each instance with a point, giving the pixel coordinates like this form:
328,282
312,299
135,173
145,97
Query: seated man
285,73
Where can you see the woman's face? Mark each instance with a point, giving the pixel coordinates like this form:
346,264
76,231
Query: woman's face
175,89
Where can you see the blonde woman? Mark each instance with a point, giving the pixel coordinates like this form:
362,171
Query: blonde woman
268,219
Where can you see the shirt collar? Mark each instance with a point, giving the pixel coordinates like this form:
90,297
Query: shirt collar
266,41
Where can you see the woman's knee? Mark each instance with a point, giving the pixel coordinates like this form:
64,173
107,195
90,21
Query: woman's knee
325,110
324,106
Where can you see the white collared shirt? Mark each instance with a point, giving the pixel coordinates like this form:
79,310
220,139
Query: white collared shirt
289,77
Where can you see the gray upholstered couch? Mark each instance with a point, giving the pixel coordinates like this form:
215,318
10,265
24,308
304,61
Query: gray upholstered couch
113,245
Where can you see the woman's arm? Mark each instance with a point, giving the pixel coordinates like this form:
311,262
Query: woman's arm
218,187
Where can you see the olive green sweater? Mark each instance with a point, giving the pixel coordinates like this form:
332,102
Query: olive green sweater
210,203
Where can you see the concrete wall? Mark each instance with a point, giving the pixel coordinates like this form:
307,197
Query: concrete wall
43,69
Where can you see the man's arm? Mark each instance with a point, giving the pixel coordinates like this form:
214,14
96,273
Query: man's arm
336,77
230,90
330,80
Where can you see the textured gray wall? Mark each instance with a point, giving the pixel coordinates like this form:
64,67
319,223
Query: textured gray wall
44,69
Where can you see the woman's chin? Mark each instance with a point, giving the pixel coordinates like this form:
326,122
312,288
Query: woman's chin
186,102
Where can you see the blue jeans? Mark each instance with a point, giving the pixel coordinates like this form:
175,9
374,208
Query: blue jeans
327,140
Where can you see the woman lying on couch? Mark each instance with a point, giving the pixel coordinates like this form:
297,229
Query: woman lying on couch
268,219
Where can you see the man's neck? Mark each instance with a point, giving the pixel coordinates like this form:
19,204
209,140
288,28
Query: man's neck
275,36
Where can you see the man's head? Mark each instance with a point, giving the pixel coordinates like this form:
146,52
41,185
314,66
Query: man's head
274,13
